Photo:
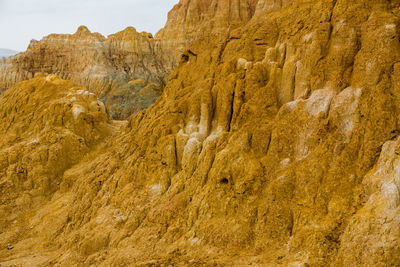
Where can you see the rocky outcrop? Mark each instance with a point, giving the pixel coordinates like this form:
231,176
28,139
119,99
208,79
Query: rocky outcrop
190,20
124,70
274,144
127,70
47,126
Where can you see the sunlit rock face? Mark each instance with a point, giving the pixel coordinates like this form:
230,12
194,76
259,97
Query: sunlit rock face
273,144
191,20
123,70
127,70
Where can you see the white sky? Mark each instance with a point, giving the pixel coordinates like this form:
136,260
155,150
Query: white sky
23,20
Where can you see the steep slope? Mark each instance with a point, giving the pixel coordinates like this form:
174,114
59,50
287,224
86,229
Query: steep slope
190,20
276,144
123,70
127,70
47,125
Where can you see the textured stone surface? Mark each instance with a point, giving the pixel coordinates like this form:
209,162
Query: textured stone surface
274,145
127,70
123,70
190,20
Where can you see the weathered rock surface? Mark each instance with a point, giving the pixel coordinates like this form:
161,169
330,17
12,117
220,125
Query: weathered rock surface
273,145
47,125
123,70
127,70
191,20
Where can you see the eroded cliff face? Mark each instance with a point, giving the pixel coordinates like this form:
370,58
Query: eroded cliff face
124,70
127,70
192,20
276,144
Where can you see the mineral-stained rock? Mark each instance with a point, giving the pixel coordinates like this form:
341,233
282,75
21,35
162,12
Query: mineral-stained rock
191,20
276,144
103,65
110,66
47,125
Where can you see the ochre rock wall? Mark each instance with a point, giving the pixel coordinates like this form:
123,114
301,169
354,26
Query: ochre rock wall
190,20
127,70
124,70
275,144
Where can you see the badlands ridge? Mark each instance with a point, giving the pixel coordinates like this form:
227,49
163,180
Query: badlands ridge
246,132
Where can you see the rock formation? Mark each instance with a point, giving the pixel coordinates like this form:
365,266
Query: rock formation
123,70
274,144
191,20
127,70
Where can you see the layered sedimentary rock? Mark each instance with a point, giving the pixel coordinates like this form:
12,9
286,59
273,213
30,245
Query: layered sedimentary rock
124,70
191,20
276,144
127,70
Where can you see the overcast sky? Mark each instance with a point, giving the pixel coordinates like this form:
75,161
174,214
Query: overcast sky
23,20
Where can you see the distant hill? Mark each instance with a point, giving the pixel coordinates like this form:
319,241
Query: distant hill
4,52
